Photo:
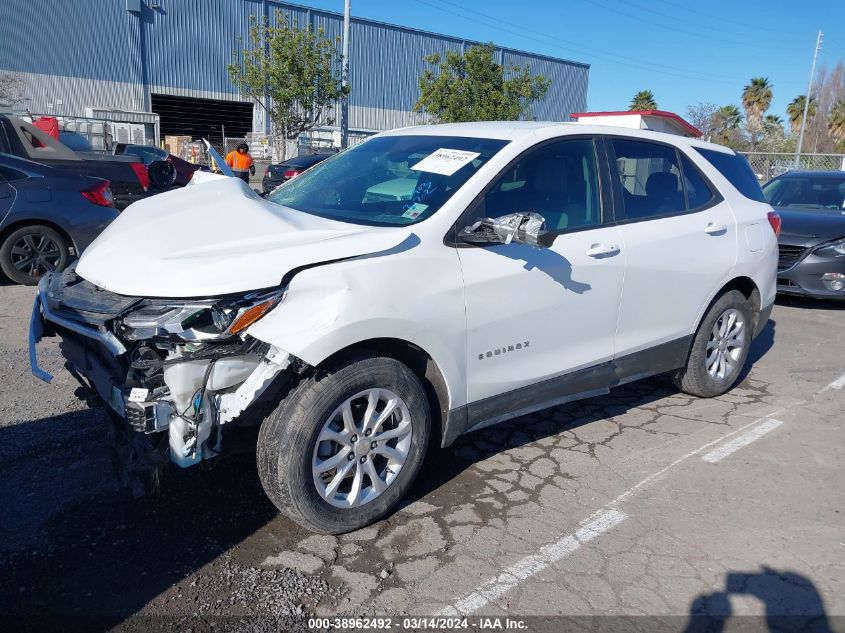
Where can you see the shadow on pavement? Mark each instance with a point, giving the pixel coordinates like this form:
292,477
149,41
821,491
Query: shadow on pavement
791,601
760,346
105,554
443,466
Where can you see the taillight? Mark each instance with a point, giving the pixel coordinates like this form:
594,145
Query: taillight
775,221
100,194
267,171
140,170
291,173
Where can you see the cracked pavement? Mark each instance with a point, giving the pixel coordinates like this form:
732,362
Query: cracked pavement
759,532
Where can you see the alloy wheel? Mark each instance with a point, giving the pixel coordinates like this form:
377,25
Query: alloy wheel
725,345
35,254
361,448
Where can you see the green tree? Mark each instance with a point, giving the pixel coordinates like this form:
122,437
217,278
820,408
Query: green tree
643,100
795,112
836,124
292,73
756,99
473,87
726,122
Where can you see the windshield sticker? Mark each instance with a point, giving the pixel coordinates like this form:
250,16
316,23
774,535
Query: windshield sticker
414,210
445,161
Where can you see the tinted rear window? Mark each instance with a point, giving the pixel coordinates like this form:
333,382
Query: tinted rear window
737,171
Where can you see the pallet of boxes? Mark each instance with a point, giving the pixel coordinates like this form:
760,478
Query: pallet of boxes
178,146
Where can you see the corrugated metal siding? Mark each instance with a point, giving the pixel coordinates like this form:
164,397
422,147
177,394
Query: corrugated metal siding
182,48
45,91
568,90
67,38
189,43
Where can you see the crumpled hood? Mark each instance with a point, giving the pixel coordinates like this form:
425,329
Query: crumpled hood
217,238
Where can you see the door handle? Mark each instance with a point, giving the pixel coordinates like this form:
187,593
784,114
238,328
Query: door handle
5,194
715,229
602,250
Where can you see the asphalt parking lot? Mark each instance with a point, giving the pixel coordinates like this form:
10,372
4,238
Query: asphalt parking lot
642,502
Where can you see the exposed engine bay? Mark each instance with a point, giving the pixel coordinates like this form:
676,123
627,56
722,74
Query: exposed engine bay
180,367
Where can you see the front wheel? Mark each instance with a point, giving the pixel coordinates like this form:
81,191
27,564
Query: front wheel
346,444
719,349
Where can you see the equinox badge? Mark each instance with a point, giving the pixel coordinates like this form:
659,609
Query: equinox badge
505,349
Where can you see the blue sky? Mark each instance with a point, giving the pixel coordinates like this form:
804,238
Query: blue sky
684,51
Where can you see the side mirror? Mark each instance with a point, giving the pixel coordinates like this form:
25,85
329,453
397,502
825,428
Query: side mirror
522,228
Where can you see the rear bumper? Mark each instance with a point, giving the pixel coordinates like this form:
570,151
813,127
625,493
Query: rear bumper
123,200
805,278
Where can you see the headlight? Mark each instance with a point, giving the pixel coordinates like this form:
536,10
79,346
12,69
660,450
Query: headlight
834,249
197,320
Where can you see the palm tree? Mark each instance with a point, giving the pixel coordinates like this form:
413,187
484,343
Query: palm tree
756,99
795,111
643,100
772,122
725,120
836,122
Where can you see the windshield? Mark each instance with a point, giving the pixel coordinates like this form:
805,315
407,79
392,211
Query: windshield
389,180
807,192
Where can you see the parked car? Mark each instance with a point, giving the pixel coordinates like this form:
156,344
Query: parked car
534,264
75,141
47,217
149,155
128,176
276,174
811,205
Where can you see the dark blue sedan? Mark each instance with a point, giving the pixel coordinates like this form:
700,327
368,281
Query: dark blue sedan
47,217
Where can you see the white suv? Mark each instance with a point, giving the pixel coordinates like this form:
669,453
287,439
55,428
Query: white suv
530,264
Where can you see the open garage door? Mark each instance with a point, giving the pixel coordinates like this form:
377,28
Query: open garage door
202,118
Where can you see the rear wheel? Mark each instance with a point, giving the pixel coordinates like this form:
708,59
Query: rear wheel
719,349
30,252
345,445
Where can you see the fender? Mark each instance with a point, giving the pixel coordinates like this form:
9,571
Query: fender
330,307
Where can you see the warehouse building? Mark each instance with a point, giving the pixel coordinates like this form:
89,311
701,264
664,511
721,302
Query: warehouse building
159,66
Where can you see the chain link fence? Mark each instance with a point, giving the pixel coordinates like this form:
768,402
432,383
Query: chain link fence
767,165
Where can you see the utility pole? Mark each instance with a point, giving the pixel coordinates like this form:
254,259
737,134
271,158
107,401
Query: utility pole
344,79
807,101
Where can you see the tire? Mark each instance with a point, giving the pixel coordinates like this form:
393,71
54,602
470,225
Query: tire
17,261
712,375
292,446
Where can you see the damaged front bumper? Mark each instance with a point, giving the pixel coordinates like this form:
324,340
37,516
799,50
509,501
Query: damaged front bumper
159,378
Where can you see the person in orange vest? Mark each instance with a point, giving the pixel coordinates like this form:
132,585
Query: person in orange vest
241,162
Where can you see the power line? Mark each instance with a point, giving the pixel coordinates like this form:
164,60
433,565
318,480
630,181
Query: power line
640,65
675,29
721,19
646,65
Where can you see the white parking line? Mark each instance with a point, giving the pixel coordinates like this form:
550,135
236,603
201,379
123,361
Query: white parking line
604,519
737,443
838,383
533,564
